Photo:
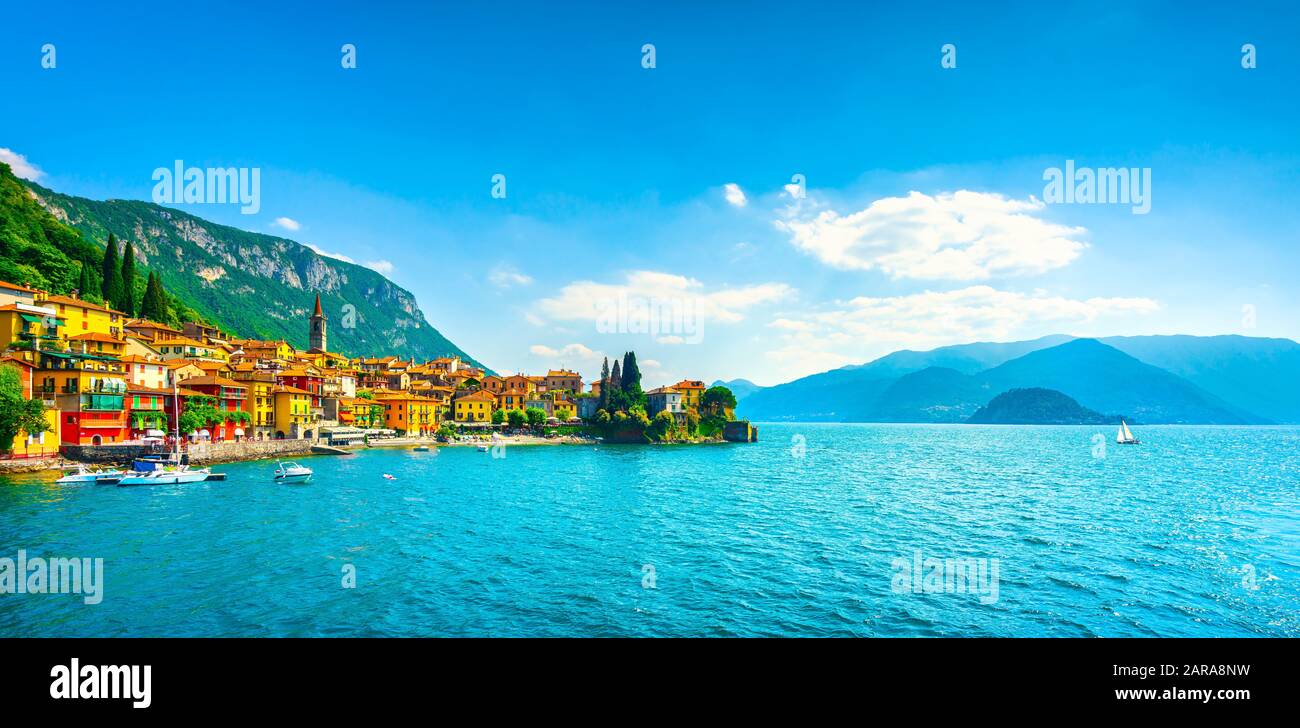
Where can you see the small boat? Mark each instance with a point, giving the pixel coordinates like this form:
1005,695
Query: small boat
484,448
166,475
86,475
1125,436
388,477
292,472
421,448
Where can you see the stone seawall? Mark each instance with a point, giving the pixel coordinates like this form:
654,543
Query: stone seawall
198,453
229,452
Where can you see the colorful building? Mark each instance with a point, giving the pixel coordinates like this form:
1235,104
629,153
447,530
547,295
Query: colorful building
89,391
692,391
42,444
475,407
409,413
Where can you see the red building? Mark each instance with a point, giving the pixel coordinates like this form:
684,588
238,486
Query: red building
229,396
308,380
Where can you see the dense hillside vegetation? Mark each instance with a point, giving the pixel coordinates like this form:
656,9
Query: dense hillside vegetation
250,284
1036,406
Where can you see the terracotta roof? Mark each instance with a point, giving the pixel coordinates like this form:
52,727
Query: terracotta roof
219,381
18,287
70,301
95,336
292,390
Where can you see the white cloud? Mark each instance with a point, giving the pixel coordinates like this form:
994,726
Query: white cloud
336,256
735,195
577,357
960,235
287,223
591,301
379,266
502,277
866,326
20,166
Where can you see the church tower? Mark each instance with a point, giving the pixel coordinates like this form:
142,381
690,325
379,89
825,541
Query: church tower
318,328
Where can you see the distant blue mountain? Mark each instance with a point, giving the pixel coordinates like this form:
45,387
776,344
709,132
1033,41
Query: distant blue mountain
1259,375
742,388
849,394
1194,380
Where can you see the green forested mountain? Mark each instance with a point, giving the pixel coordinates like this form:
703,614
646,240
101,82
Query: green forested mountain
1037,406
251,285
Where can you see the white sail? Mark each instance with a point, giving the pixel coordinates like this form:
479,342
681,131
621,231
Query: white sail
1124,435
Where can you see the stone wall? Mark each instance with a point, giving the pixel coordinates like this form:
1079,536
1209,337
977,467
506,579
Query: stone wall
198,453
104,454
739,431
227,452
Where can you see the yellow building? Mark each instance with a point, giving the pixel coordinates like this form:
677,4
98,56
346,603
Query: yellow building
563,380
565,409
186,348
26,325
292,411
44,444
692,390
475,407
260,404
513,399
96,343
84,317
410,413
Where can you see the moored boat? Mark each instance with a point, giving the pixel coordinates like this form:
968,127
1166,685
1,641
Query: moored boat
167,475
86,475
292,472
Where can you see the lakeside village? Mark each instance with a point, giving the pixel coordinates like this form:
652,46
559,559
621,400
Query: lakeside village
84,381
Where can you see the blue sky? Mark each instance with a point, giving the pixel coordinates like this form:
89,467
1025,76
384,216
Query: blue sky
923,221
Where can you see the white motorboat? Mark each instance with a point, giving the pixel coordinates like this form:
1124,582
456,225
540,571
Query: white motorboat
484,448
86,475
168,475
292,472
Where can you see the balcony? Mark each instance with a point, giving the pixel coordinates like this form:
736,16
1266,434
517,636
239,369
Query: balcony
101,403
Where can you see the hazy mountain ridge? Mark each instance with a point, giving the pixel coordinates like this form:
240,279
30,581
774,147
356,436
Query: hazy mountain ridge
951,383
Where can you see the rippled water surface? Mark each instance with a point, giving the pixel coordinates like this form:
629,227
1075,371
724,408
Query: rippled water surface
1195,532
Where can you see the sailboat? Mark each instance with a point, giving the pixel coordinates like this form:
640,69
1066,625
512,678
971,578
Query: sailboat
1125,436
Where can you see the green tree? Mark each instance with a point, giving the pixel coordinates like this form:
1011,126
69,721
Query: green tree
631,379
17,413
604,384
536,416
154,305
718,400
498,416
661,426
127,302
517,418
86,284
111,272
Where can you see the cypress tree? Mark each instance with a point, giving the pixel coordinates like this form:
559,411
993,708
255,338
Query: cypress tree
154,305
615,378
631,381
111,285
604,383
127,303
86,285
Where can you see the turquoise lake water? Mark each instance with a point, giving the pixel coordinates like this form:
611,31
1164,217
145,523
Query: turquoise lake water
1196,532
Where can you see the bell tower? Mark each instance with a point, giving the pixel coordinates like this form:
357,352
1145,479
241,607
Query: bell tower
317,333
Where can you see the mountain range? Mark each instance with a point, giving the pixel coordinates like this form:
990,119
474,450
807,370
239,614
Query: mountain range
249,284
1154,379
